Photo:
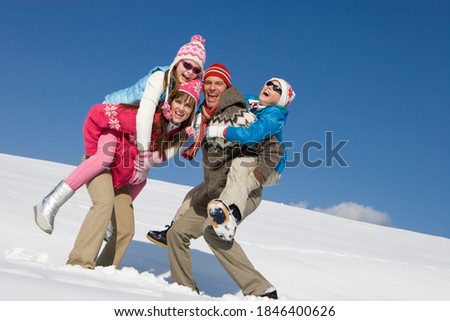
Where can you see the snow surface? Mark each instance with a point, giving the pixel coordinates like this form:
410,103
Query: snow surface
307,255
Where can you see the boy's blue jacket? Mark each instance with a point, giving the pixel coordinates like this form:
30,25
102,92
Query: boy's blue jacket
271,120
133,94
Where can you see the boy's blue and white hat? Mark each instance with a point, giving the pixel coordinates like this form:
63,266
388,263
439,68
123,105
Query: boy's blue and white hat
287,94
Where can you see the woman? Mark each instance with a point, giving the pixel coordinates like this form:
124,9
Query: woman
168,136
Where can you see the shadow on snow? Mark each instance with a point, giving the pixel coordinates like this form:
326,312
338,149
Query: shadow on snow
210,276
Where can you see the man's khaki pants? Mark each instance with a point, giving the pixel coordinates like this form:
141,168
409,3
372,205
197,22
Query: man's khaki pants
191,222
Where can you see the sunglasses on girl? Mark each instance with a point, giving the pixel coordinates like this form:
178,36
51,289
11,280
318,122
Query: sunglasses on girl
275,88
189,66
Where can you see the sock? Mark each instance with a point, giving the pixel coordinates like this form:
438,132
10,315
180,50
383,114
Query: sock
235,212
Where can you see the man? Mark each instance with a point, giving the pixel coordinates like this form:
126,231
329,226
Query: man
224,105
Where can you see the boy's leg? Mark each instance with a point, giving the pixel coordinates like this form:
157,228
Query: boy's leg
228,210
90,237
240,182
273,179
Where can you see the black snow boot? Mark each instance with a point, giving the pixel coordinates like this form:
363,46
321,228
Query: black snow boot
159,237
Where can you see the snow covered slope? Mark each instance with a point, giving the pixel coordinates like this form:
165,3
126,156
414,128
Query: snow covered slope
306,255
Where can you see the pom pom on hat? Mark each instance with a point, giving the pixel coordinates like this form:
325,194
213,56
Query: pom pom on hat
287,95
220,71
166,111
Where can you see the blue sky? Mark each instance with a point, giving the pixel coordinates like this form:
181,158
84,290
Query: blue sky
373,74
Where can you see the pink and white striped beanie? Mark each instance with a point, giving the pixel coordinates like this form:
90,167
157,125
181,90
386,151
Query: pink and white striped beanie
193,88
194,50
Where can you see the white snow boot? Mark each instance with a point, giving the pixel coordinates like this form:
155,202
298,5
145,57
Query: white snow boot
45,211
223,219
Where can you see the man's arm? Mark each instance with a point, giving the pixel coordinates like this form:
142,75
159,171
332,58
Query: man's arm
269,123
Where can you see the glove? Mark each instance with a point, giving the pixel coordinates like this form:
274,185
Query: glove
190,131
193,131
215,131
142,164
139,176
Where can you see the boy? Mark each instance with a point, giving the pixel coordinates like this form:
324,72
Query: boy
270,109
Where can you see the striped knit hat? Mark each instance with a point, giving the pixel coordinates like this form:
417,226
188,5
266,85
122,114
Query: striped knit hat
194,50
193,88
220,71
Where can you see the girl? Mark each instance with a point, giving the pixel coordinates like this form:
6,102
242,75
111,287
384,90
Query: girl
153,88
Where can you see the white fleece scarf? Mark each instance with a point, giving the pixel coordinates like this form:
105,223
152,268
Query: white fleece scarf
255,105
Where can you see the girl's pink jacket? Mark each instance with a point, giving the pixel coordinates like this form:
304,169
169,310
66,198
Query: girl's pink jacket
122,120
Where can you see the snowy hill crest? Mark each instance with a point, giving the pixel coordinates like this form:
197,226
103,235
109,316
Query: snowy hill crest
305,254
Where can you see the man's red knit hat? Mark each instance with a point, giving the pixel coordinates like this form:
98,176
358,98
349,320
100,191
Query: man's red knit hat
220,71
